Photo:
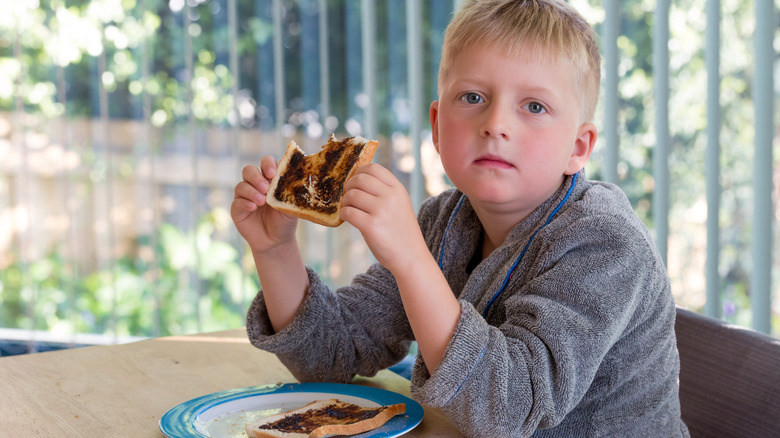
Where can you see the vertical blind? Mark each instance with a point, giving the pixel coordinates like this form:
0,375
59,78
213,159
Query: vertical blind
764,96
124,129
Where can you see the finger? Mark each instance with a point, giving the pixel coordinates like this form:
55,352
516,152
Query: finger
374,182
252,176
354,216
360,198
268,166
379,172
250,193
241,205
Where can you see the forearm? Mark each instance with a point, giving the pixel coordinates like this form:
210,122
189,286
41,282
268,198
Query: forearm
284,281
431,307
377,204
481,365
358,329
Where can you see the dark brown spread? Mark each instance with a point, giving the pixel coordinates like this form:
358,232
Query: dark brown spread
307,421
316,181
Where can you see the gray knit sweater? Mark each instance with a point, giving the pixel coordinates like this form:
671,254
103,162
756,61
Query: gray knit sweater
567,329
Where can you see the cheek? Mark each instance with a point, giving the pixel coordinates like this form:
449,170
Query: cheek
451,144
452,122
452,160
553,146
448,134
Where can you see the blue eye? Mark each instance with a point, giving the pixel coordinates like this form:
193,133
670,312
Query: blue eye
536,108
471,98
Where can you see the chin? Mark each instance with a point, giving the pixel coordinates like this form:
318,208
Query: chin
489,196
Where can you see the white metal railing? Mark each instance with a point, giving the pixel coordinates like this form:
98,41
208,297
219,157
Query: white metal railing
764,95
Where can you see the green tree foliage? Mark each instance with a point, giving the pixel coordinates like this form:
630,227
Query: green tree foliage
191,282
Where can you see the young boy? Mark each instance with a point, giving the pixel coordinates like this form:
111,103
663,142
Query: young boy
537,298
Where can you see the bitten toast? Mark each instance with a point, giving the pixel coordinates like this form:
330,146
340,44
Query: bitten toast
310,187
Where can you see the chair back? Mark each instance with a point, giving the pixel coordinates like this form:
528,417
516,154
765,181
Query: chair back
729,378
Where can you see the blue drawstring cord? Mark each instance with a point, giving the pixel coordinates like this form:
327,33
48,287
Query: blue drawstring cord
549,219
528,244
446,230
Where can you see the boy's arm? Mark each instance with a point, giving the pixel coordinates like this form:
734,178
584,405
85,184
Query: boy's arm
358,329
585,331
377,204
318,334
271,237
431,307
284,281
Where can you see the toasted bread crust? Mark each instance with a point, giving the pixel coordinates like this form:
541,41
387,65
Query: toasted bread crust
296,188
387,412
361,426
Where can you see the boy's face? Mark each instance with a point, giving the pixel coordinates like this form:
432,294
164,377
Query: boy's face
508,128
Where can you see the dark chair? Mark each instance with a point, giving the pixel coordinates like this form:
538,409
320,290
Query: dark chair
729,379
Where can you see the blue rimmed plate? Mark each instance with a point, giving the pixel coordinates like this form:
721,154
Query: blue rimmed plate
224,414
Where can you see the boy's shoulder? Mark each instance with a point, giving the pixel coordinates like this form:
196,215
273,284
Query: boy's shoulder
604,197
609,198
605,206
436,212
442,205
603,226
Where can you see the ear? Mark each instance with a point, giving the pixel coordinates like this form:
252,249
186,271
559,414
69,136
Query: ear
583,147
434,115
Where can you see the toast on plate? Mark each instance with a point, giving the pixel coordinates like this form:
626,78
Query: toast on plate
324,417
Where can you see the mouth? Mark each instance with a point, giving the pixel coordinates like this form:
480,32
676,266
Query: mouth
493,162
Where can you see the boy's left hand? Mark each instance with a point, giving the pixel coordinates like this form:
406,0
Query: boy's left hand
377,204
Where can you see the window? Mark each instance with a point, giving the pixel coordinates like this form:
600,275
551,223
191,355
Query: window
124,126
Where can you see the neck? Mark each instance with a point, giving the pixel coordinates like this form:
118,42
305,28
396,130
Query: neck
496,224
495,228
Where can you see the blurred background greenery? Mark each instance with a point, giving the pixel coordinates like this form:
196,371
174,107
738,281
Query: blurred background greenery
124,125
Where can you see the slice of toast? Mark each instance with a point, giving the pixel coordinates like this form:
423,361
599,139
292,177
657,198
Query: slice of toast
324,417
310,187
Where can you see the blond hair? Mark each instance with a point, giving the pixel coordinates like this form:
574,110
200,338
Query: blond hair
552,29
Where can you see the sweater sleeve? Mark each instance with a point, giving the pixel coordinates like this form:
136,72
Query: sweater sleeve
357,329
555,335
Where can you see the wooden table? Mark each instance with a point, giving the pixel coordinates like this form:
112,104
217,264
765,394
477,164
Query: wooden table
123,390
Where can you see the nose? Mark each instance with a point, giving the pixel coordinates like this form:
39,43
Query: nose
495,122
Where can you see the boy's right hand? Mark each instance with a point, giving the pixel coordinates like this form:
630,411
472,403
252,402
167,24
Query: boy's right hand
263,227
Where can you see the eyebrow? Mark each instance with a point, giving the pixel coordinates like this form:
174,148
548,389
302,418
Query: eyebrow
477,82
